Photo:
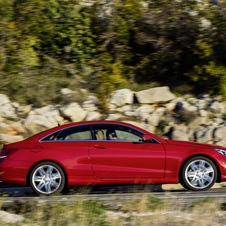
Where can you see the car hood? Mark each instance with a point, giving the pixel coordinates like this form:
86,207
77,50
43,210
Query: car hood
188,143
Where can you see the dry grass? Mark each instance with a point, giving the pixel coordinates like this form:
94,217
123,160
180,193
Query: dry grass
144,211
155,211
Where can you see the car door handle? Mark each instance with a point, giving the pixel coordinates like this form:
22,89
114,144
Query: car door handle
100,146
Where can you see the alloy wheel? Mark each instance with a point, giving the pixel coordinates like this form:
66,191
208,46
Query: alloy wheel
199,174
47,179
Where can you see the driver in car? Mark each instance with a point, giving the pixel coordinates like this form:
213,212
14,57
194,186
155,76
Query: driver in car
111,134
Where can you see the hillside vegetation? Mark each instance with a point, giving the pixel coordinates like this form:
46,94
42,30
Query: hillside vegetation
106,44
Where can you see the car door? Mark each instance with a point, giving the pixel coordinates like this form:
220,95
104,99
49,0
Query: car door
69,147
126,157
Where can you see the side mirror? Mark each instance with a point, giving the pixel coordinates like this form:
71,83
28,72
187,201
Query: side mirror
146,139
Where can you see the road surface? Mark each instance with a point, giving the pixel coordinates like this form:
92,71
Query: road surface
119,193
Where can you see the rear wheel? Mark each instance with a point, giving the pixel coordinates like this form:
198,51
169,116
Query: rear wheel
199,174
47,178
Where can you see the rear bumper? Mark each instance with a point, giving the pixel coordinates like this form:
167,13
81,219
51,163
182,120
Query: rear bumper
13,172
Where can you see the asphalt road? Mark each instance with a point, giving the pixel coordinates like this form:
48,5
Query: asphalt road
119,193
19,191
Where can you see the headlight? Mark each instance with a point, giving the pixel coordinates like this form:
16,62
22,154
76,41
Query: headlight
221,151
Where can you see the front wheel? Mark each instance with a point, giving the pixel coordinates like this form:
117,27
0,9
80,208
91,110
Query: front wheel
199,174
47,178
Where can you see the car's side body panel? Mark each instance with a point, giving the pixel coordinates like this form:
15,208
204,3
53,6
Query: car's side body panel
118,159
176,155
74,158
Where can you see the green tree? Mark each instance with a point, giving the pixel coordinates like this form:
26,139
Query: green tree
62,28
209,71
40,40
165,41
113,64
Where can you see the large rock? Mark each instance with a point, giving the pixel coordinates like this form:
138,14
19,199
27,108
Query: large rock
185,106
127,110
91,104
197,121
143,112
4,128
41,119
12,128
6,139
219,133
10,218
153,120
203,113
219,136
114,117
37,123
217,107
6,108
87,2
170,106
93,115
51,113
155,95
188,113
122,97
161,111
23,111
4,99
65,92
204,135
179,133
18,127
142,125
67,95
73,112
202,104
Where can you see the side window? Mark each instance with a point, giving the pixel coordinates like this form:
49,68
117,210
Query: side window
115,132
128,135
72,133
51,136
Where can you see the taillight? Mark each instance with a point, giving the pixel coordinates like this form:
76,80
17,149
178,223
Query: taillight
7,151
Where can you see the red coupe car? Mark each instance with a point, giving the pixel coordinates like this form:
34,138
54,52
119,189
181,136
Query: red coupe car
107,152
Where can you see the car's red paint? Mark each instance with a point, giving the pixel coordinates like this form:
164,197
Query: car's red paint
179,151
127,160
103,161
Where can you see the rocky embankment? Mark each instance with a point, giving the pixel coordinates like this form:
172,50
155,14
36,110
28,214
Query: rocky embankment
158,110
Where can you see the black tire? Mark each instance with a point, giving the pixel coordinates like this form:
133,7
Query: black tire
198,174
47,178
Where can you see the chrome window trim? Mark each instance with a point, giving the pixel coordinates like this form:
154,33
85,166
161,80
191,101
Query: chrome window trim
41,140
90,124
62,140
94,140
156,140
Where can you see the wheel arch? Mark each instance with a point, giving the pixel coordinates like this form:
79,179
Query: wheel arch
46,160
201,155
